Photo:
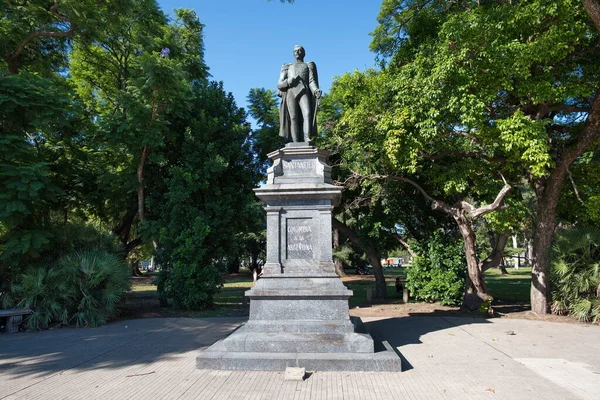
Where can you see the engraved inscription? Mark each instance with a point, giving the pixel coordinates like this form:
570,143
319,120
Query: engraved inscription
299,167
299,238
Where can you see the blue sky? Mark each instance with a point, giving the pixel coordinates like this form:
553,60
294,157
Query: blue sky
247,41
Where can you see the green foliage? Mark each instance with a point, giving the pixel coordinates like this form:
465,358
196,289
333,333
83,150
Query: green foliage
135,111
438,274
82,288
191,287
263,108
204,198
575,273
80,280
35,34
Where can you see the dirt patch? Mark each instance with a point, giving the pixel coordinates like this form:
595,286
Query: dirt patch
147,280
513,311
144,304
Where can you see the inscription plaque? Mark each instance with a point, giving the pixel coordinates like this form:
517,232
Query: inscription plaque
299,167
299,233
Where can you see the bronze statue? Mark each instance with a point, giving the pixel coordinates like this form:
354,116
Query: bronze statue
299,91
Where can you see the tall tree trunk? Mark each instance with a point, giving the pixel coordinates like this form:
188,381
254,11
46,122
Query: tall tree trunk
530,254
548,193
475,288
337,263
123,229
372,255
140,179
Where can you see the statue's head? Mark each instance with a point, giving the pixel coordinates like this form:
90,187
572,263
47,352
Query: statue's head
299,52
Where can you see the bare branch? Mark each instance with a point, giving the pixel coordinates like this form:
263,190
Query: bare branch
435,204
481,211
11,58
574,187
465,134
35,34
405,244
568,109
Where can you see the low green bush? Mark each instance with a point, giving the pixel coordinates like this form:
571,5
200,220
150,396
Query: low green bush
438,274
190,288
80,280
82,288
575,273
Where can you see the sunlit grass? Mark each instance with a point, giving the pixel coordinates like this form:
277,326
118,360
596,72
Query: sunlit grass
514,287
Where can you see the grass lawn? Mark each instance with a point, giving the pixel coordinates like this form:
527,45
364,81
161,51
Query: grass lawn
513,287
143,301
359,284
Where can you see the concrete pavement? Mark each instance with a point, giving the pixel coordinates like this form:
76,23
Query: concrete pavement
444,358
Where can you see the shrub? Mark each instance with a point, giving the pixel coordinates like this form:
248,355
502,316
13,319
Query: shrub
575,273
191,288
438,274
79,279
81,288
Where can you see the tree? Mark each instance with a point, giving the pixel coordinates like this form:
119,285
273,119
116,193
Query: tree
514,82
31,28
263,107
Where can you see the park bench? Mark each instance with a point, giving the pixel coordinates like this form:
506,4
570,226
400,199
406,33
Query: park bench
14,318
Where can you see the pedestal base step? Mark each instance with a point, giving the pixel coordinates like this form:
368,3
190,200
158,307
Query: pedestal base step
241,341
216,357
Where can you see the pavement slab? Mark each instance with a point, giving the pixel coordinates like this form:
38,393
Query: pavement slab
443,358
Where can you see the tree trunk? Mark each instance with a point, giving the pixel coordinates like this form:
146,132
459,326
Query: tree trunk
254,265
530,255
140,179
135,268
548,193
495,258
123,229
337,263
517,259
372,255
502,269
234,266
475,288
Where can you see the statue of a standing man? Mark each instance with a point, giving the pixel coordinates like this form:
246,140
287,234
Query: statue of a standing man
299,91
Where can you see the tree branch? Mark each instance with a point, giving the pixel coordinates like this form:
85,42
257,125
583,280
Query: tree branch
435,204
405,244
481,211
574,187
459,154
11,58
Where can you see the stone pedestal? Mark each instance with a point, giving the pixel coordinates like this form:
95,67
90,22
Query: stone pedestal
299,307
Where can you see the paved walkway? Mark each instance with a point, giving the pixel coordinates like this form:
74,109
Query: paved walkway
445,357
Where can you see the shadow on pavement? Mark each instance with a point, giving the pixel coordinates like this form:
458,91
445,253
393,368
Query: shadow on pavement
118,344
